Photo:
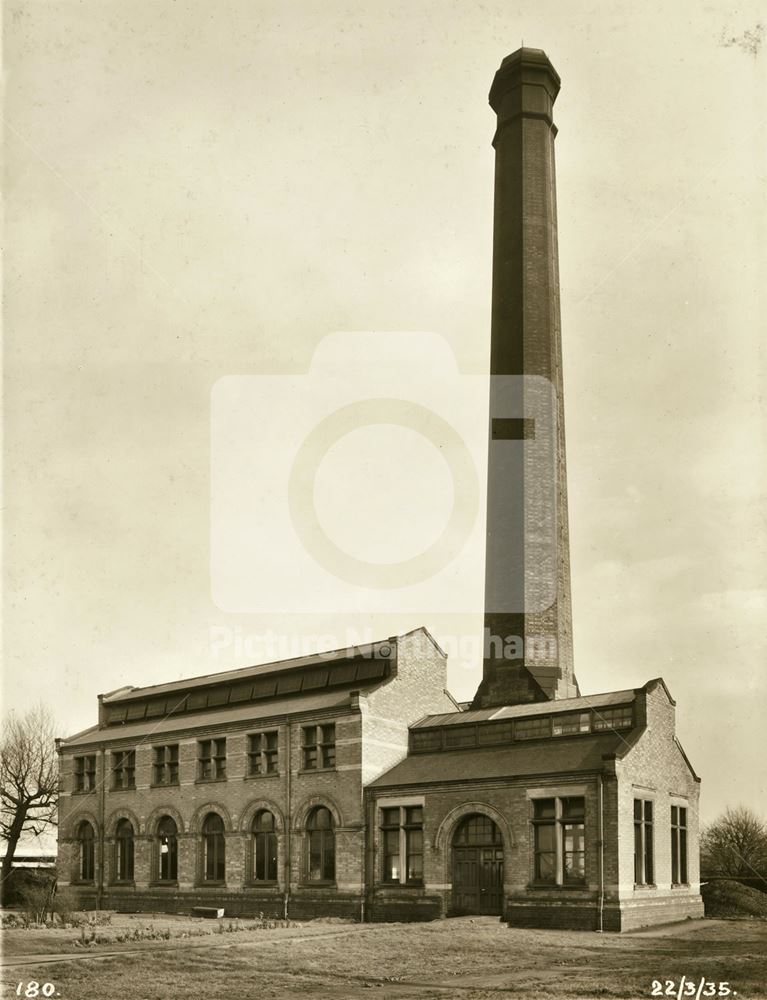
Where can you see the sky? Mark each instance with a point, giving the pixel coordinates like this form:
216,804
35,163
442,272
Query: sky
225,220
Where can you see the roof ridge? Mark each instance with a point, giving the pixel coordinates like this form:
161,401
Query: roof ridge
128,692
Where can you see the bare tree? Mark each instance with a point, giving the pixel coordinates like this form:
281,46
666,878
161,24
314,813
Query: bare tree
735,844
29,780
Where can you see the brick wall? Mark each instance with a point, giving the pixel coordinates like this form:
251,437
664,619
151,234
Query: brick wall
656,769
418,689
371,733
508,804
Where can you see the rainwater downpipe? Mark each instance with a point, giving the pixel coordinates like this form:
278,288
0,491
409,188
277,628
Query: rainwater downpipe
288,819
102,852
601,792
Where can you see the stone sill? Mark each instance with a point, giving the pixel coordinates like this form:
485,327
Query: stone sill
399,886
547,887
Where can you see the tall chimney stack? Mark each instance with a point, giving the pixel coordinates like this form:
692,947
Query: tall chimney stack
528,619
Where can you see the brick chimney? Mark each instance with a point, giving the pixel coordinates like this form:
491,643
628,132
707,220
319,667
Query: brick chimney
528,631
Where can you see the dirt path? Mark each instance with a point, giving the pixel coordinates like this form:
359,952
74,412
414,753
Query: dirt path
179,944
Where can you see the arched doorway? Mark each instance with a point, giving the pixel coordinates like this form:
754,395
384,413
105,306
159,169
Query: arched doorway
477,866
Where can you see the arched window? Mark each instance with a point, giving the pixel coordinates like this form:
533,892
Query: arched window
167,850
477,830
264,847
124,851
213,849
321,846
86,861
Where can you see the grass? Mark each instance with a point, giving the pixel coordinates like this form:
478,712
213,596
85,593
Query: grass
471,958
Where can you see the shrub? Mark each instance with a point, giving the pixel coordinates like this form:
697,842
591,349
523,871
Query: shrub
65,904
728,898
36,901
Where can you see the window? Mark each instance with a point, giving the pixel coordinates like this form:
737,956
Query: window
85,773
264,847
493,733
167,850
86,864
262,753
211,759
426,739
319,746
679,845
531,729
124,851
213,849
460,736
613,718
124,769
567,725
559,841
402,844
643,842
165,765
321,846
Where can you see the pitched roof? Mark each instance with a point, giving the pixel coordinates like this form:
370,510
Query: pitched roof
150,729
561,756
371,650
522,711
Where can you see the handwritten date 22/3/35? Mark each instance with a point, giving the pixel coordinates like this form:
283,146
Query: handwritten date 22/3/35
686,987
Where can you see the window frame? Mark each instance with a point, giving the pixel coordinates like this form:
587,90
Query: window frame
325,834
267,843
165,762
211,753
318,747
263,757
123,768
84,773
86,874
217,840
171,878
644,842
557,822
124,852
407,828
679,846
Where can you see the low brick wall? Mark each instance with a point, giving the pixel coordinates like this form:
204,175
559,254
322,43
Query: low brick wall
393,910
301,906
552,914
668,910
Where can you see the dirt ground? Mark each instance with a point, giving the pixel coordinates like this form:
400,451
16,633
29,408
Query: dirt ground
472,958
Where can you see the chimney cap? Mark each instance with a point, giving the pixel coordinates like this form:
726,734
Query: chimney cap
525,66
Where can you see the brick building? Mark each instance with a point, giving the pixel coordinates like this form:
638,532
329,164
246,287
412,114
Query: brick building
242,789
352,783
